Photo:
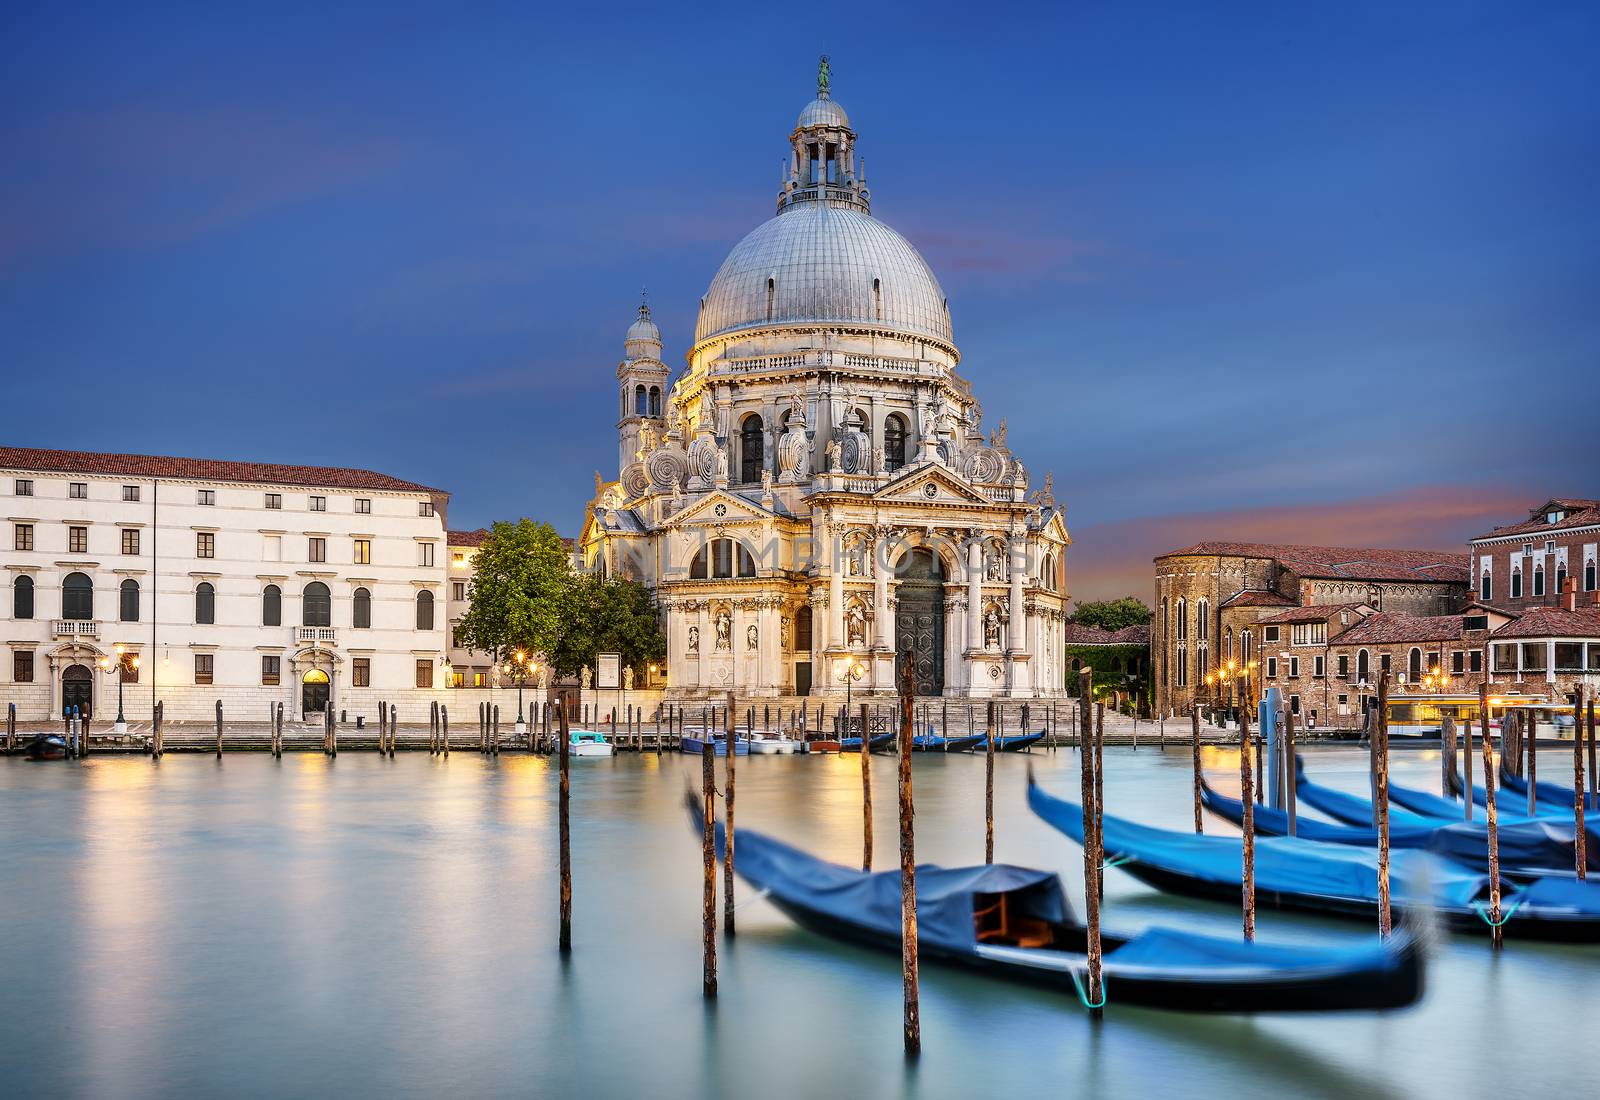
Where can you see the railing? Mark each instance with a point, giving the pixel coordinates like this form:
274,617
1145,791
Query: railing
75,628
316,634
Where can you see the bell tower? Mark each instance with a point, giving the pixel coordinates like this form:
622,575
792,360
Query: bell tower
642,385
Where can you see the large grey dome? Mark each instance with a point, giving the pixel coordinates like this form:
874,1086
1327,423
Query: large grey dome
822,262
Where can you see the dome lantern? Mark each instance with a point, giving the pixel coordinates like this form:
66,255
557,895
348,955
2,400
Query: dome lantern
822,158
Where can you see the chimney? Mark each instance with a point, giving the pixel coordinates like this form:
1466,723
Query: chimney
1569,594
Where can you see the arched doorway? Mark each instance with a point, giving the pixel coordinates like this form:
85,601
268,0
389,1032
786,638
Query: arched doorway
313,691
77,690
802,650
919,618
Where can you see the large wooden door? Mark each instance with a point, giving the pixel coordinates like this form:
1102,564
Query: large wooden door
77,691
919,619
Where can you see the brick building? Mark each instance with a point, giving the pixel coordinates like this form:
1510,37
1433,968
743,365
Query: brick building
1526,564
1213,598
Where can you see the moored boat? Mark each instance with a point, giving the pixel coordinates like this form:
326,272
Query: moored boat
769,743
1015,922
46,746
696,744
879,742
588,743
1017,742
933,742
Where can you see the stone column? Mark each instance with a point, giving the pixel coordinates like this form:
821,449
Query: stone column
707,641
836,636
975,590
1017,627
769,671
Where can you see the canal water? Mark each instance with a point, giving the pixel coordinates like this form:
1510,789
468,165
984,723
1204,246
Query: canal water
372,927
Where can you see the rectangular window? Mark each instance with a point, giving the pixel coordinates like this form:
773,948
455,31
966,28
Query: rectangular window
1475,622
363,552
78,490
425,550
458,592
269,670
1270,634
202,668
24,536
1308,633
205,544
1475,664
207,497
1344,667
456,638
130,668
480,679
1272,674
361,672
130,492
425,508
274,502
1294,671
22,666
77,540
1384,664
317,549
319,504
458,679
363,506
458,559
23,488
130,540
1318,669
424,673
1458,665
1294,708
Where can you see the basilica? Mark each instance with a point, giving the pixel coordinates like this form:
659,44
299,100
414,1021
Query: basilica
814,499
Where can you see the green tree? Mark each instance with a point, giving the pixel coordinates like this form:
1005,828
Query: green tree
608,615
1111,614
519,590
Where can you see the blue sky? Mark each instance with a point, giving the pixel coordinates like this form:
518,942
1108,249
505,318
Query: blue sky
1209,262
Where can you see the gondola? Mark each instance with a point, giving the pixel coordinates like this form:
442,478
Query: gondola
1017,742
45,746
880,742
1415,806
1552,797
1016,923
1528,849
1333,879
933,742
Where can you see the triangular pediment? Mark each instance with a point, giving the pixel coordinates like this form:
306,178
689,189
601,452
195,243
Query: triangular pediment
720,506
1057,527
930,484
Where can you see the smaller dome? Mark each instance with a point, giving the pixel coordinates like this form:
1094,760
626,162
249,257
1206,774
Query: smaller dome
823,111
644,338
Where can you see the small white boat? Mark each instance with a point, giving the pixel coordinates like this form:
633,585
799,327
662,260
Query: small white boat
588,743
767,743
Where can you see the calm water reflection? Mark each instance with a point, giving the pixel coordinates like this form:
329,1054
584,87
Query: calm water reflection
373,927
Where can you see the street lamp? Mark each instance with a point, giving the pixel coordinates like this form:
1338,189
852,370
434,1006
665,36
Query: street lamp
123,664
1230,673
521,670
852,671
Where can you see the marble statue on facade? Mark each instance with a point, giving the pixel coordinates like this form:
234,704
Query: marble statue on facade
724,630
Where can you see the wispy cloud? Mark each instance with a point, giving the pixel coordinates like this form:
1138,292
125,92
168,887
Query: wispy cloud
1114,559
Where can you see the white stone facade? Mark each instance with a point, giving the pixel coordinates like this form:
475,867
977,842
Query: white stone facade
203,545
817,495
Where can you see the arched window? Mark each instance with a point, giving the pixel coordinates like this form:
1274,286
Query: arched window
1181,619
641,403
1516,582
424,610
1246,647
1589,575
751,450
772,291
77,597
22,598
272,606
894,443
205,603
1538,579
1364,669
361,610
130,600
877,300
1561,578
1414,664
747,564
1227,643
316,606
1202,624
655,401
697,565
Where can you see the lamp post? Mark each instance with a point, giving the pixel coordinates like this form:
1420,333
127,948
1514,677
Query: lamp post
520,667
1230,673
123,663
853,671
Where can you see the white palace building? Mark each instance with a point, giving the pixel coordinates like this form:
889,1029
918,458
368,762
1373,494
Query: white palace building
814,497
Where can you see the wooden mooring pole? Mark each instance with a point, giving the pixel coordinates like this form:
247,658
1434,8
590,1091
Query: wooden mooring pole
1291,776
1466,739
1533,762
988,788
732,732
1247,831
219,729
1385,917
908,869
1100,798
564,828
1194,715
1091,861
444,729
708,857
866,790
1579,847
11,726
1497,937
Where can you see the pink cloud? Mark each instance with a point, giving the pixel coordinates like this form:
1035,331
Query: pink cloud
1116,558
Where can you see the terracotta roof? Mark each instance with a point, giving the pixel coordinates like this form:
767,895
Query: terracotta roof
1346,563
467,538
1581,512
1252,597
1078,634
1554,622
1312,613
1384,628
202,469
